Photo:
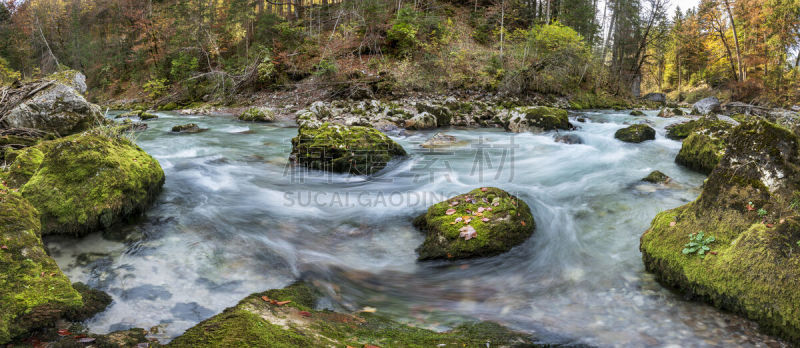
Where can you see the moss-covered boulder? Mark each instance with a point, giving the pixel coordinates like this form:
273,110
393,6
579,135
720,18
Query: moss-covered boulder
25,164
636,133
484,222
263,320
90,181
33,291
708,124
701,152
536,118
749,204
257,114
342,149
656,177
186,128
637,113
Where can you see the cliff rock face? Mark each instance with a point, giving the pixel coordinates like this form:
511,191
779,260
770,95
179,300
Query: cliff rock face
750,204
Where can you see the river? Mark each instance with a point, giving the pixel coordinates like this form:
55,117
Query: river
233,219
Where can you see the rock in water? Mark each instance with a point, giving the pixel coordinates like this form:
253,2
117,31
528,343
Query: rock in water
656,177
483,222
636,133
753,267
89,181
186,128
343,149
260,320
423,120
257,114
53,104
536,118
637,113
569,139
33,291
439,140
706,106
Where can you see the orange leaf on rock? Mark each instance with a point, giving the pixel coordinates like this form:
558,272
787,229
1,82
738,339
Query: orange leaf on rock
281,303
64,332
265,298
522,222
450,211
305,314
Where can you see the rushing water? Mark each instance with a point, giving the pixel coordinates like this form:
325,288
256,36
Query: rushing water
233,219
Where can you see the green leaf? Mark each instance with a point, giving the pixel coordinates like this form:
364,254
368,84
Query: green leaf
686,250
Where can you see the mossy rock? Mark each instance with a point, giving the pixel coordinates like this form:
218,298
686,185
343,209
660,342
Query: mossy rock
710,125
509,223
25,164
637,113
701,152
636,133
656,177
537,118
257,114
342,149
90,181
754,264
33,290
256,322
187,128
144,116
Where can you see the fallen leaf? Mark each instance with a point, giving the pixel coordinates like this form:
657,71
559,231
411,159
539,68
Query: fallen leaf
3,247
370,346
369,309
459,219
265,298
782,221
485,219
481,209
483,189
453,203
522,222
450,211
489,209
712,252
468,232
496,204
281,303
477,214
86,340
770,225
64,332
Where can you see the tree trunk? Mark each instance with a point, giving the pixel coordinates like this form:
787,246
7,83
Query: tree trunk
736,41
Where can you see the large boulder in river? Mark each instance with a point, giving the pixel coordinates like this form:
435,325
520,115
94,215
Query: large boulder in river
536,118
749,205
484,222
636,133
88,181
706,106
33,291
53,105
342,149
287,318
704,145
656,177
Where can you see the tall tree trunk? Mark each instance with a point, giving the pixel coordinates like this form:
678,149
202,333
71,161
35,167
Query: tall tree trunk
735,40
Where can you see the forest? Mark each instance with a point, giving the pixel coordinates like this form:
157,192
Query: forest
188,51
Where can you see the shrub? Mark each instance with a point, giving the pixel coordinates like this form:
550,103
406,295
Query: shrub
155,87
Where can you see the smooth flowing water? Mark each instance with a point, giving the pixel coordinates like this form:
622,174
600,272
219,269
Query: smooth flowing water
234,219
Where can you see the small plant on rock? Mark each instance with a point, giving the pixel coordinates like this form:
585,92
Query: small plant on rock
698,244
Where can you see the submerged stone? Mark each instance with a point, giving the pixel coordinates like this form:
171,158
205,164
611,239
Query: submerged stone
483,222
186,128
749,205
636,133
90,181
344,149
266,320
569,139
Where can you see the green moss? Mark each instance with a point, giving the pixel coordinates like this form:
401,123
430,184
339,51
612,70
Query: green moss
255,322
169,106
33,291
342,149
754,266
90,181
701,152
636,113
547,118
704,124
186,128
510,223
24,166
656,177
636,133
256,114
